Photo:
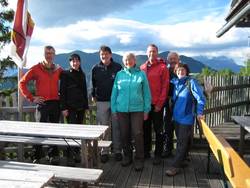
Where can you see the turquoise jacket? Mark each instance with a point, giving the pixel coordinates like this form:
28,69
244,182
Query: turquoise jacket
131,92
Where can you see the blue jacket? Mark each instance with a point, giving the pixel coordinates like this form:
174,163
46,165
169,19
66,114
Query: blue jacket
131,92
183,110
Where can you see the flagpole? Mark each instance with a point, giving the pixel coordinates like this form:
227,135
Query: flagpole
19,97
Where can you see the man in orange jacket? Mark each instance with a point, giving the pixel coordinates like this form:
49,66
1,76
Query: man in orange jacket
158,78
46,76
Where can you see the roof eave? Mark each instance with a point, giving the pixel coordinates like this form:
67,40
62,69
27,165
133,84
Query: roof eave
233,21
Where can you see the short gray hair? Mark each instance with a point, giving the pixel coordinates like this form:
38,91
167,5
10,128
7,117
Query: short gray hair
128,55
173,53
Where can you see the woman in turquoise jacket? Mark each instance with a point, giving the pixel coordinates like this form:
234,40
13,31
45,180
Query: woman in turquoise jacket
188,102
130,101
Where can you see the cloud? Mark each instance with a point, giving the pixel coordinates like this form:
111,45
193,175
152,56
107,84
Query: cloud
55,13
189,38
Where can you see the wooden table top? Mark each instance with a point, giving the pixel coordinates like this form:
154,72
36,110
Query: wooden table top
243,121
57,130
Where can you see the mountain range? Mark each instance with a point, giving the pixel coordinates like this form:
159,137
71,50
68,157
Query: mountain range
196,64
90,59
219,63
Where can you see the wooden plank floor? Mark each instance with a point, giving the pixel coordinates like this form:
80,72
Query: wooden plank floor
194,175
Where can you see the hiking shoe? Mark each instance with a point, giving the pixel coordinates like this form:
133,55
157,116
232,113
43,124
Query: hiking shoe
118,156
126,161
139,164
104,158
157,160
172,171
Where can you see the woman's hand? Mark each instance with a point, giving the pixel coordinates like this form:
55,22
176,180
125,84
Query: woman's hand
65,113
145,116
200,117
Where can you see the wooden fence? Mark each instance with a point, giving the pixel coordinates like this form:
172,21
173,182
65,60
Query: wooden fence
227,96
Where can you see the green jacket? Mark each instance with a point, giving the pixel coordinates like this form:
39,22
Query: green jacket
131,92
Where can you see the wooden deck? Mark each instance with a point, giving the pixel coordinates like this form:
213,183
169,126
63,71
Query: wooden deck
194,175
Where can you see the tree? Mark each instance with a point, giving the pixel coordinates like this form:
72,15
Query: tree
207,72
245,71
6,17
225,72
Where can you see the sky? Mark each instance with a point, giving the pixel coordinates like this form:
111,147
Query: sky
186,26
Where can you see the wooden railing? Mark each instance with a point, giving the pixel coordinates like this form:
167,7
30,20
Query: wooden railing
229,96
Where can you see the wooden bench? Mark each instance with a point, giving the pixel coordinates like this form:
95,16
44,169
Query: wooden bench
49,141
21,178
46,141
87,175
233,166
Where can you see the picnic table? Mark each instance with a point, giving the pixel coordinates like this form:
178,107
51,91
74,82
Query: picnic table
88,134
244,122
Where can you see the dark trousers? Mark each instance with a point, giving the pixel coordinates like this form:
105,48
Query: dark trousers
49,111
75,116
184,135
131,127
155,118
169,129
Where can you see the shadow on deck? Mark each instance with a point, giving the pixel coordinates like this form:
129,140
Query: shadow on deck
195,175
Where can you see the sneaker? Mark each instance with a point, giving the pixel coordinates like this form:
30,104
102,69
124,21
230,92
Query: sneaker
43,160
157,160
126,161
118,156
104,158
172,171
139,164
77,159
71,162
54,160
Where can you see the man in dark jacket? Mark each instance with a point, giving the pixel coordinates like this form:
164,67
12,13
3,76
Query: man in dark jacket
103,76
173,60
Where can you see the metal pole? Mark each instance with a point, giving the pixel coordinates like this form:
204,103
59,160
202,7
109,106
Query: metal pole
20,150
19,97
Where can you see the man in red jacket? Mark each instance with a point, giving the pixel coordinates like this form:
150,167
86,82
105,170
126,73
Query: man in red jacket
46,76
158,77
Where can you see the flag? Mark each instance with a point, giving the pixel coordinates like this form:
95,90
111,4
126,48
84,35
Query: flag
21,34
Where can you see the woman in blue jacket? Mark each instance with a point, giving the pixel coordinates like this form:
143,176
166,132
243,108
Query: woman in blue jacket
130,101
188,102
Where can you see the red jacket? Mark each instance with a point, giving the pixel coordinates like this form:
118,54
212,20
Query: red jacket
46,82
158,78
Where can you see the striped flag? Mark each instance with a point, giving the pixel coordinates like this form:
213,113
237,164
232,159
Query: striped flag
21,34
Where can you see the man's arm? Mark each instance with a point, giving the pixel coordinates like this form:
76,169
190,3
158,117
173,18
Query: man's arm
164,89
28,76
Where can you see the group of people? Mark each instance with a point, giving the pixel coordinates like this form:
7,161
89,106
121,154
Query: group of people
132,100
